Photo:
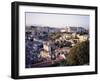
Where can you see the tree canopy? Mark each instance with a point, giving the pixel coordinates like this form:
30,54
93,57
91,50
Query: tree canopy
79,54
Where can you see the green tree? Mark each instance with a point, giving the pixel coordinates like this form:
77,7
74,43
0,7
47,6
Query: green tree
79,54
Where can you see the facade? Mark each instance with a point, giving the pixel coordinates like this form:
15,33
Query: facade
76,29
46,49
63,30
52,30
44,54
62,51
83,37
46,46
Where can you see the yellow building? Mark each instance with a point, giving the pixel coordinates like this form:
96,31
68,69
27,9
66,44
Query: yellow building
46,46
46,50
44,54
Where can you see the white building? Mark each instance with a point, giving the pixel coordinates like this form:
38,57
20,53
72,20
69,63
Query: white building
47,46
76,29
63,30
46,50
83,37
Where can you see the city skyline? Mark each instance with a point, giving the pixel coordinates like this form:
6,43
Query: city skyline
57,20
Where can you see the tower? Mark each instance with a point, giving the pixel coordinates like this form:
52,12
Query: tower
47,47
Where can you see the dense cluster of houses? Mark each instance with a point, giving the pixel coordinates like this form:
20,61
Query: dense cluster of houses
40,48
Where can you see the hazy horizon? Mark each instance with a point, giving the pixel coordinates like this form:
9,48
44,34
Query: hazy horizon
57,20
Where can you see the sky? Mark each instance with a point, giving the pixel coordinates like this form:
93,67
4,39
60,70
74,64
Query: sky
57,20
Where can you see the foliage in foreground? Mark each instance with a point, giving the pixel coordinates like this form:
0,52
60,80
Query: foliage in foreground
79,54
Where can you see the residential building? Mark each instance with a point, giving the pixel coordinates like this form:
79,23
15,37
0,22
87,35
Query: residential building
46,52
83,37
76,29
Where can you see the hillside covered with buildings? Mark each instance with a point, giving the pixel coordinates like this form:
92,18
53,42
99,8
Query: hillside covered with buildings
50,46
